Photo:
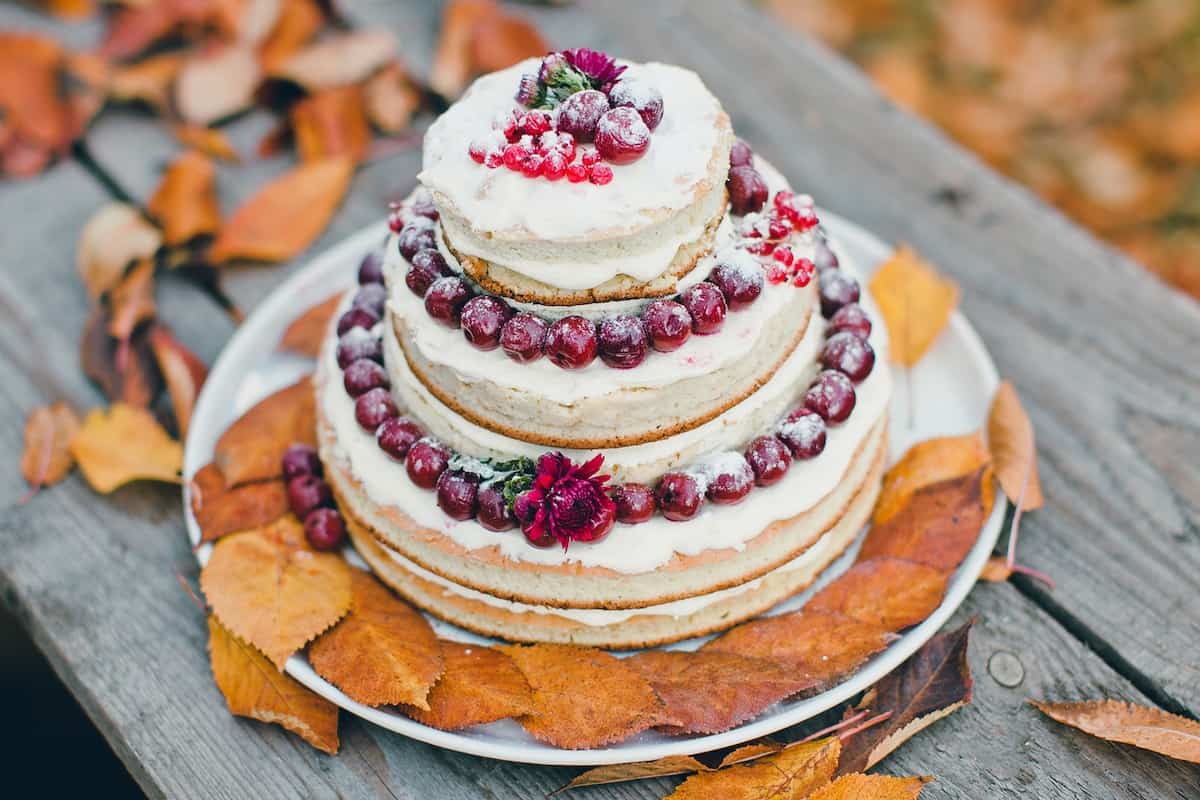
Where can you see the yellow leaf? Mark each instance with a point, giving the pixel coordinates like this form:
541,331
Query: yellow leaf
857,786
123,445
916,303
792,773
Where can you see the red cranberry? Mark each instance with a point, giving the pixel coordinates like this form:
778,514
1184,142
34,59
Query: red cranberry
577,173
374,408
668,323
747,190
679,496
358,343
514,157
370,269
532,168
852,319
732,483
831,396
445,300
740,280
456,491
622,341
364,375
325,529
396,435
621,136
416,235
371,297
523,337
590,158
426,267
837,289
850,355
493,512
535,122
571,342
642,97
306,492
356,318
740,155
426,461
300,459
769,458
580,113
554,165
706,304
635,502
600,174
482,319
803,431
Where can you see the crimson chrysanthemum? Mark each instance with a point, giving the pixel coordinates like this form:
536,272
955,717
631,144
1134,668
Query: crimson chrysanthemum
566,503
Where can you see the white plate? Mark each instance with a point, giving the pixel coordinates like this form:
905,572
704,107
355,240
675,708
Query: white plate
953,386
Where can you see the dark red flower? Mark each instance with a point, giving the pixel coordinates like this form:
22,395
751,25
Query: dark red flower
600,68
566,503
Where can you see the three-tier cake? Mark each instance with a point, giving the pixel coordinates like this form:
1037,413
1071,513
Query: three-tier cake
607,383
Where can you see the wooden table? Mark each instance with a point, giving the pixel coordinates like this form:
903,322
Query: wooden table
1106,358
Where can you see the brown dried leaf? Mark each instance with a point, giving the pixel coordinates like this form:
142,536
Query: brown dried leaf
306,333
221,511
215,85
452,66
210,141
792,773
916,303
251,448
888,593
114,238
1148,728
501,40
925,463
339,60
183,372
622,773
254,688
46,458
138,381
933,683
712,691
480,685
126,444
185,203
391,98
331,122
287,214
131,302
857,786
582,697
271,590
1010,436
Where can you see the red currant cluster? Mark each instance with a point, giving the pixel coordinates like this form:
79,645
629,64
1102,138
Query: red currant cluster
789,214
311,499
529,142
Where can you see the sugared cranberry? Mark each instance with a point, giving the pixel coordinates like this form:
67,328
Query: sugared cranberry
535,122
600,174
581,112
621,136
514,157
374,408
532,167
370,269
426,267
706,304
356,318
740,279
358,343
837,289
523,337
679,496
849,354
642,97
396,435
426,461
850,318
362,376
740,155
831,396
803,431
747,190
482,319
565,144
769,459
577,173
492,511
306,492
300,459
732,483
416,235
445,299
371,297
635,502
422,206
622,341
456,492
668,323
325,529
554,165
571,342
590,158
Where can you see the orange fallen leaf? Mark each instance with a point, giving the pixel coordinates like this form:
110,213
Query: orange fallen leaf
212,86
750,752
339,60
916,303
925,463
480,685
501,40
452,66
299,21
305,335
221,511
1011,439
123,445
794,772
131,302
254,688
331,122
210,141
1148,728
621,773
857,786
287,214
888,593
251,448
582,697
30,70
112,239
183,372
148,81
70,9
391,98
46,458
271,590
185,202
383,652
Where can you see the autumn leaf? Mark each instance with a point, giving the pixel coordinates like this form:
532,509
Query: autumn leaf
287,214
501,40
46,458
888,593
925,463
70,9
390,98
331,122
452,66
582,697
210,141
115,237
916,303
794,772
269,589
123,445
185,202
857,786
214,85
138,381
183,372
383,652
621,773
306,333
220,511
750,752
933,683
254,688
480,685
30,68
339,60
1011,439
131,302
252,447
1148,728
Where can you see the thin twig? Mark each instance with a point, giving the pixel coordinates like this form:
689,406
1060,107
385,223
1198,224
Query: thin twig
836,727
875,720
187,587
